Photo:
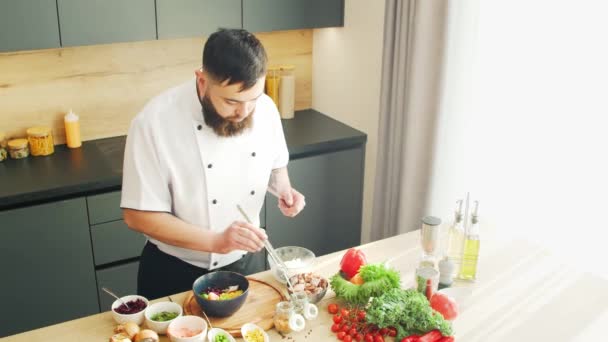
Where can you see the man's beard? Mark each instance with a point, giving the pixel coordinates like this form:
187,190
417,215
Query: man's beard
221,126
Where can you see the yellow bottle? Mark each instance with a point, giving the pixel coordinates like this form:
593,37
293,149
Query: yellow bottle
470,255
72,130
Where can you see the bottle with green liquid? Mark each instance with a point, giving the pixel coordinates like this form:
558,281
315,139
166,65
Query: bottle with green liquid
470,254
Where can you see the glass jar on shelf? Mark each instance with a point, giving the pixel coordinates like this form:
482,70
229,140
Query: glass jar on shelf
3,147
18,148
41,141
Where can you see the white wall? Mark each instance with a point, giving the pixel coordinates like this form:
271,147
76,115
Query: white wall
347,67
525,120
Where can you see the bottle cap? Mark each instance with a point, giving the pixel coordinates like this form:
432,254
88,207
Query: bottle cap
17,143
431,220
39,131
70,116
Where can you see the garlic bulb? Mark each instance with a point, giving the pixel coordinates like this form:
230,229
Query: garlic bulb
146,335
121,337
130,329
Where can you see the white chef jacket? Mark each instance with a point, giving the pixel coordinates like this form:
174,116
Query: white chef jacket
175,163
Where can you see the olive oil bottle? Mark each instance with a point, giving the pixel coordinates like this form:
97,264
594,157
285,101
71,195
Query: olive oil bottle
470,255
456,237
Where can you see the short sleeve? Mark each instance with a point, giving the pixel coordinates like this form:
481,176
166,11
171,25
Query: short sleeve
145,185
281,152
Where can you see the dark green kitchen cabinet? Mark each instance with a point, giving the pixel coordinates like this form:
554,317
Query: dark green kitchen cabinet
333,186
192,18
121,279
114,241
86,22
28,24
47,267
276,15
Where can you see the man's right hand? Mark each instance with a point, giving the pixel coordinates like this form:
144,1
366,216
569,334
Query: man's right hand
242,236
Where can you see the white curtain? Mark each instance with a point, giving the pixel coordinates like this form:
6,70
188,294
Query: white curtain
411,77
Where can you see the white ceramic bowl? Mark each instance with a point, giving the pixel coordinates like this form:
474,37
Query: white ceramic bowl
137,318
249,327
191,323
461,295
156,308
290,255
217,331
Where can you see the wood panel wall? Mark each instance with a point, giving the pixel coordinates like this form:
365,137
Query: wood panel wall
107,85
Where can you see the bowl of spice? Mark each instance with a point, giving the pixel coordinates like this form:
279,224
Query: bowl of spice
129,309
159,315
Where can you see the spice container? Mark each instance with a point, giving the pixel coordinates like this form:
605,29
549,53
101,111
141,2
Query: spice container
272,84
287,92
446,272
18,148
427,280
429,235
3,146
286,319
41,141
281,87
303,306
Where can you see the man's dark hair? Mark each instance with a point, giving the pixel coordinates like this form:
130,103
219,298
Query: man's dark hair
234,55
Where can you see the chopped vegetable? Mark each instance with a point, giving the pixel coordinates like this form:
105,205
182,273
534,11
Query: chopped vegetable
221,338
431,336
352,260
131,307
214,293
408,311
357,279
164,316
254,335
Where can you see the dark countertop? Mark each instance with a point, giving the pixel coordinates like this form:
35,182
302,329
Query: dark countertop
97,166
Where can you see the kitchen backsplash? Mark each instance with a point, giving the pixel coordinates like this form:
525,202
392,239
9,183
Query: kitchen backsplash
107,85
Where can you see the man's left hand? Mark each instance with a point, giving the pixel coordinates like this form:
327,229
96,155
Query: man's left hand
291,203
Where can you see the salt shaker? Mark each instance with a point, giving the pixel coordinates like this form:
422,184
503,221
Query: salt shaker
446,272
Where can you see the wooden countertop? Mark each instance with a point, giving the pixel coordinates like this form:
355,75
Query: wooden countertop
524,293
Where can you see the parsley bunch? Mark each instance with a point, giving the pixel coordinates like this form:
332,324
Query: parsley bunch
408,311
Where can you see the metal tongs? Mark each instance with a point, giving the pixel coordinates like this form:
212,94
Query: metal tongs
271,251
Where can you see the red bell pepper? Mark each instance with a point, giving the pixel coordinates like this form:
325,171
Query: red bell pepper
352,260
431,336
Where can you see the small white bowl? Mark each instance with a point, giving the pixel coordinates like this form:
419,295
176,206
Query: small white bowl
192,323
249,327
460,294
161,327
137,318
217,331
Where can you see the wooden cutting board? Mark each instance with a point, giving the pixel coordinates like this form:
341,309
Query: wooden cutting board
258,308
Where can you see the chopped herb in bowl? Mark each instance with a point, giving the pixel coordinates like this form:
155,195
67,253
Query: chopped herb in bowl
164,316
221,338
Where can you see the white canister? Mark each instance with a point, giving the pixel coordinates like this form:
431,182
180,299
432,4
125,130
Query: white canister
287,92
